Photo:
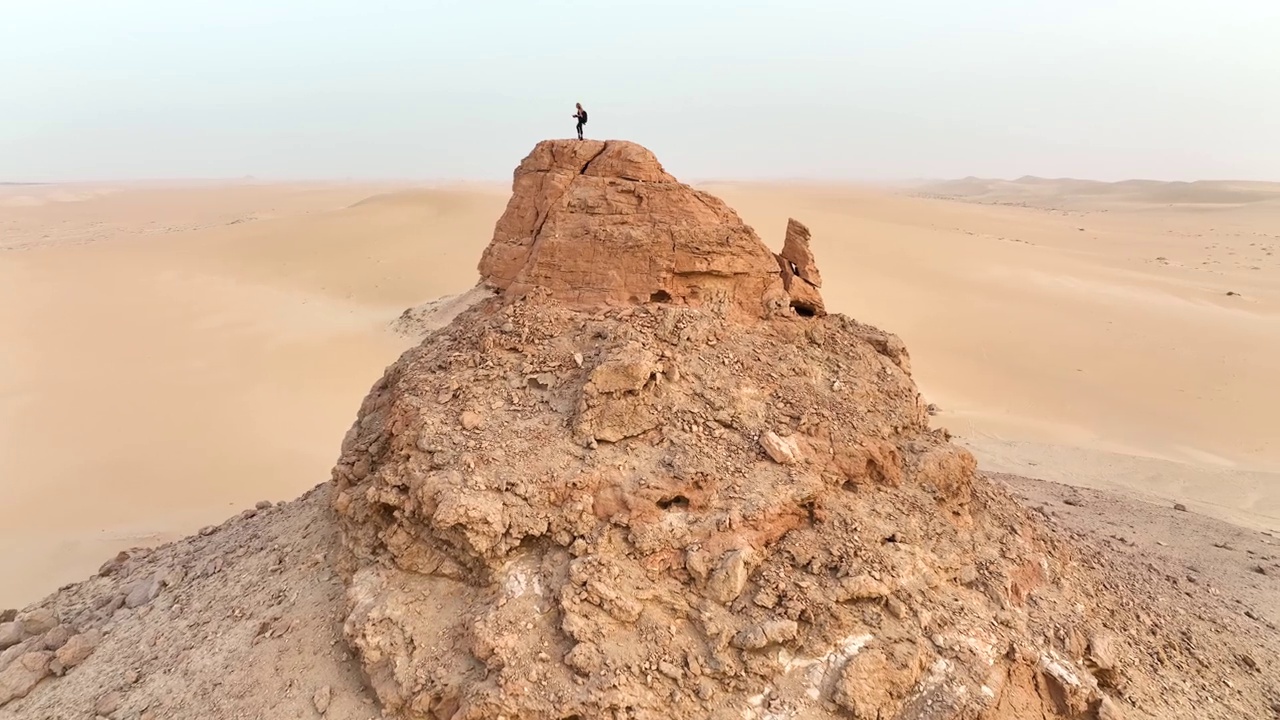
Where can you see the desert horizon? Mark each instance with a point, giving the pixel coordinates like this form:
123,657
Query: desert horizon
689,361
203,346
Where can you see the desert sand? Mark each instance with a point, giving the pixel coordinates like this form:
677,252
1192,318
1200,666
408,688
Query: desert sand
173,353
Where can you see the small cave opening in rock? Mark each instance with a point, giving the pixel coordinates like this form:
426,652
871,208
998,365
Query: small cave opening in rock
804,309
674,501
660,296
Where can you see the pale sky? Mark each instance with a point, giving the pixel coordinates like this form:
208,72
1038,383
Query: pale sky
462,89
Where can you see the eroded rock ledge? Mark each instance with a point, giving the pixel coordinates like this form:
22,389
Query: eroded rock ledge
601,223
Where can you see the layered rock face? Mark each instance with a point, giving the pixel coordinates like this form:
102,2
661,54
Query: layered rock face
601,223
647,482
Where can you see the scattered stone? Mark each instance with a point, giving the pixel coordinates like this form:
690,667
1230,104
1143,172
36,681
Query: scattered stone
10,634
625,372
781,630
1101,654
471,420
38,621
767,633
862,587
208,530
585,658
57,637
23,674
1232,293
108,704
114,603
321,699
784,451
1180,507
143,592
262,505
78,648
1109,710
726,583
1073,502
766,598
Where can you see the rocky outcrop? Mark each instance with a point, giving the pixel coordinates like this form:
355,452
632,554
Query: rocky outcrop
640,485
800,276
601,223
659,510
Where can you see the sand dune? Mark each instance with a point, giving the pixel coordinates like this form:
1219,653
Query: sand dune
1063,192
150,383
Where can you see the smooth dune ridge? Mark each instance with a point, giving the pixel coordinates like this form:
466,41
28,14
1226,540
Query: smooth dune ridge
176,351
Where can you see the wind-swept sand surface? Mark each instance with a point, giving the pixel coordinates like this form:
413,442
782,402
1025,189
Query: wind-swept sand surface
174,353
157,376
1108,335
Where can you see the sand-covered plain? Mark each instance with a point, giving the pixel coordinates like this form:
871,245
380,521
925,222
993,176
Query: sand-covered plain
171,353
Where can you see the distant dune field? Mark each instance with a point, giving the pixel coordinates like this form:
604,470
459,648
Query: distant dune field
176,352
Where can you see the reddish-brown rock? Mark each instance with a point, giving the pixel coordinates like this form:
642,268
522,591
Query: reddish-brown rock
795,248
800,276
602,223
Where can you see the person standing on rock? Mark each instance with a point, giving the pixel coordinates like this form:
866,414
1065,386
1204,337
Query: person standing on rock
581,117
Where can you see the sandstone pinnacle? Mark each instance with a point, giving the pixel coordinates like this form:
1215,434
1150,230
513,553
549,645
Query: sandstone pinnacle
602,223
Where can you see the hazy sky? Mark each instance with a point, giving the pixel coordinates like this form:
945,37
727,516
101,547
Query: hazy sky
1110,89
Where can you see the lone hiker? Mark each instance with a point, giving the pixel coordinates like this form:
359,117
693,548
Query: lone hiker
581,117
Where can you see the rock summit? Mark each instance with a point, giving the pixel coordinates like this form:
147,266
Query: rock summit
652,479
600,223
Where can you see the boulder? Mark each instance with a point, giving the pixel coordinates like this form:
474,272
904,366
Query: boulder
11,634
38,621
597,223
23,674
78,648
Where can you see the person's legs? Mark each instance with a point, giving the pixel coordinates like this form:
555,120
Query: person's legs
579,130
